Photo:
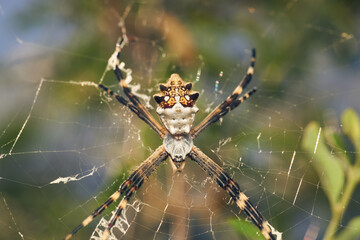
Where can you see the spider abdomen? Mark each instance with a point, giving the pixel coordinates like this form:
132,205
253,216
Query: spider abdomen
178,119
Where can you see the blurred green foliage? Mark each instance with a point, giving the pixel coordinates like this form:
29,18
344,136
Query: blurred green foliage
245,229
339,175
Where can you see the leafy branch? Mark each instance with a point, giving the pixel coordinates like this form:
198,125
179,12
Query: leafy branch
340,174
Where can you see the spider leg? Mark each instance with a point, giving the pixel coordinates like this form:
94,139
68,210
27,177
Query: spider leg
226,182
230,103
147,118
129,186
135,100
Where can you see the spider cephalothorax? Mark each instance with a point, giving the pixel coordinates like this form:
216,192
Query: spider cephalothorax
176,109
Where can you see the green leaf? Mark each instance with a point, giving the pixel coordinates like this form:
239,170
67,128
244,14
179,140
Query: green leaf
246,229
336,141
351,126
327,165
334,138
351,231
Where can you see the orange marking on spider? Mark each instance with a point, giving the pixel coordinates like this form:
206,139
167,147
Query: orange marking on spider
115,196
87,220
241,204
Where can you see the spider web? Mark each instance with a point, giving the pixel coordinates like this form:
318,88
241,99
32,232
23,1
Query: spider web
66,146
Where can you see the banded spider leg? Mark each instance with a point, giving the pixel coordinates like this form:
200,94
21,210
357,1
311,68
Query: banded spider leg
230,103
128,188
134,104
228,184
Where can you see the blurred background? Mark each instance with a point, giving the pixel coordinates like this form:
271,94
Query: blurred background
66,147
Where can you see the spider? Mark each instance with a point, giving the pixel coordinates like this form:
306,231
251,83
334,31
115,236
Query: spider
176,109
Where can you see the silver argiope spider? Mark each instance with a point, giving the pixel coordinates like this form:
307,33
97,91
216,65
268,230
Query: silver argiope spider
176,109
